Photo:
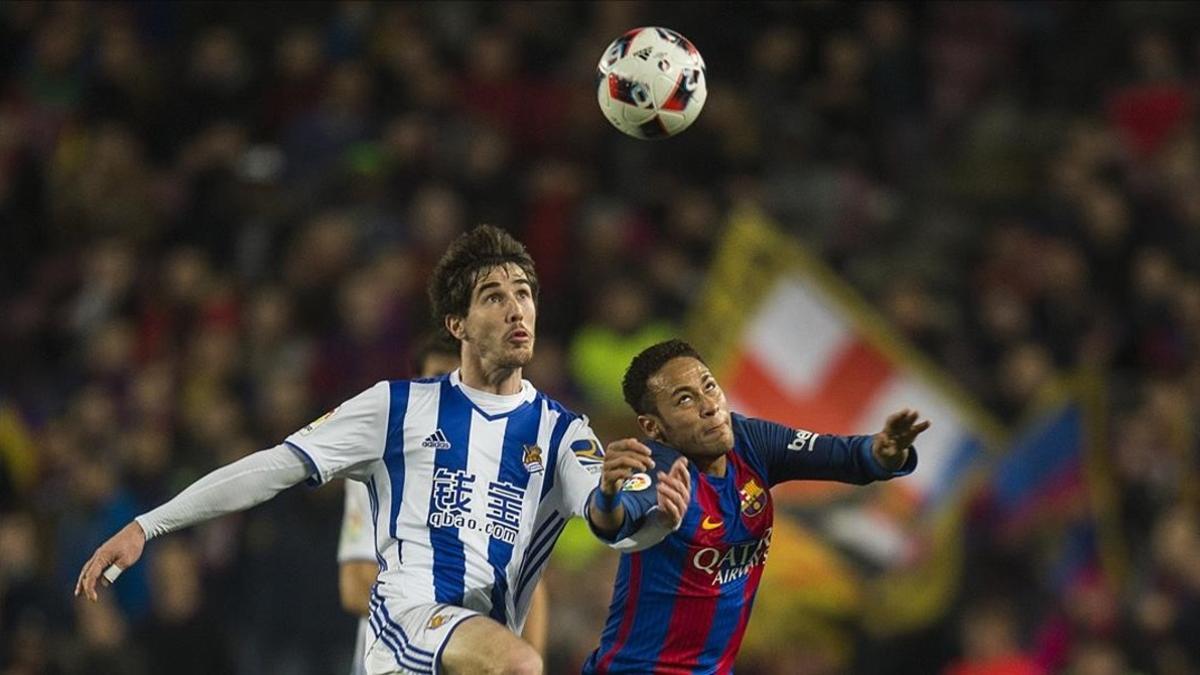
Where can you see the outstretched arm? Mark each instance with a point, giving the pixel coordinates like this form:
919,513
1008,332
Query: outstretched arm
234,487
797,454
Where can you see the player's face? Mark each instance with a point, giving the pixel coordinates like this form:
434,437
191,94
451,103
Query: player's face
499,325
692,414
437,363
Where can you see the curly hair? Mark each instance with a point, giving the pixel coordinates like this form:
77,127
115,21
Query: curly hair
471,256
645,365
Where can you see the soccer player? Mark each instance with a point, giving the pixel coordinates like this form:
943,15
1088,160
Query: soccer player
357,567
471,477
436,355
683,595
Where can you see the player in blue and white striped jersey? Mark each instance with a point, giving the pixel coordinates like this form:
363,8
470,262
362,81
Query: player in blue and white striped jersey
471,478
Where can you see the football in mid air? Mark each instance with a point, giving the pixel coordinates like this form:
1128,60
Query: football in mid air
651,83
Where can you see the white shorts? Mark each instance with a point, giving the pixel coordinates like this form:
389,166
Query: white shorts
410,641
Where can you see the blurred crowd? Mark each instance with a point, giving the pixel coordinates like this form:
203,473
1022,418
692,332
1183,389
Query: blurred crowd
216,221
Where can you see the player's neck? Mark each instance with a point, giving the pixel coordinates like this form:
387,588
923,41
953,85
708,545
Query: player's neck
712,466
495,380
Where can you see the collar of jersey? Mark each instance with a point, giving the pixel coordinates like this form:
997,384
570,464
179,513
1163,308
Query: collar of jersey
472,396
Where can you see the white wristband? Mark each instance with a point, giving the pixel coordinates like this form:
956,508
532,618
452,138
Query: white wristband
112,573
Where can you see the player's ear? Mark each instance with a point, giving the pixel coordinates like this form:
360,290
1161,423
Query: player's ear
650,426
455,325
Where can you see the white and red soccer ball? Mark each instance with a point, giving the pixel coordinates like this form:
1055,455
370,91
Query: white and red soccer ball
651,83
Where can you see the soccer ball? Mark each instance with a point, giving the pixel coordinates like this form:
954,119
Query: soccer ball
651,83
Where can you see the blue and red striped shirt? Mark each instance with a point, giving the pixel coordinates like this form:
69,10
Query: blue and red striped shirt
681,605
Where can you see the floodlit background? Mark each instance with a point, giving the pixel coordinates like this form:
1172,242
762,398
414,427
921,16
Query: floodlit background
217,219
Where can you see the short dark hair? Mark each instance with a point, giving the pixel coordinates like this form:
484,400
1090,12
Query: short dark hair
645,365
472,255
434,343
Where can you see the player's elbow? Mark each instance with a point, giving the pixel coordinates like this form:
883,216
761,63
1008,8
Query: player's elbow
354,586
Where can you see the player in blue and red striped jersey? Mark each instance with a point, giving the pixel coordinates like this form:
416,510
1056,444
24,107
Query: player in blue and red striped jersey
685,586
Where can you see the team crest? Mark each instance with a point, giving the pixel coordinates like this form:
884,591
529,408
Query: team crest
437,621
533,459
587,451
754,498
317,422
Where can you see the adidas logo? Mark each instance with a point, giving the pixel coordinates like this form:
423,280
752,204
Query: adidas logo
436,440
643,53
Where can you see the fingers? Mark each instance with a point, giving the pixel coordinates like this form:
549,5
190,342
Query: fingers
87,578
628,462
897,422
674,490
621,468
622,459
627,445
82,573
905,422
670,499
680,471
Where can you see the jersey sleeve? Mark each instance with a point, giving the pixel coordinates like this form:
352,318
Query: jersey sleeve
343,442
580,461
644,525
357,539
798,454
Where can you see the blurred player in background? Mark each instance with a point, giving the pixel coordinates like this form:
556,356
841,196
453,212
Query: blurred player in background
472,475
683,595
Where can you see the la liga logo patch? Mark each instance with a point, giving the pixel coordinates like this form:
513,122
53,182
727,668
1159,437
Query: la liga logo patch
636,483
312,426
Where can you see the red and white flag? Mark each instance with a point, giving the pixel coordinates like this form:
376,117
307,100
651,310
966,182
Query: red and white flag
793,344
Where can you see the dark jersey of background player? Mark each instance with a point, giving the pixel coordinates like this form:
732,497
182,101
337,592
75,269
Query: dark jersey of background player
681,605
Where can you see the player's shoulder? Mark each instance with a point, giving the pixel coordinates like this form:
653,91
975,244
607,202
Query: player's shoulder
399,395
663,455
412,386
436,379
555,406
753,436
754,425
745,428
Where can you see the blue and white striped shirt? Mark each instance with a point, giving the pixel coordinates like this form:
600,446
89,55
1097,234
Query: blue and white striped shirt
468,490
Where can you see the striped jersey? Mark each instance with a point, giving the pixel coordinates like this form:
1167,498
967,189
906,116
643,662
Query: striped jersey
468,491
681,605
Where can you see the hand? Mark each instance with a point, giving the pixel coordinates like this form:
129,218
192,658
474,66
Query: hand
891,445
675,491
122,549
622,459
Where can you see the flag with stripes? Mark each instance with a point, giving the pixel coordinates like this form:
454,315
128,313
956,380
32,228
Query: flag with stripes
792,343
